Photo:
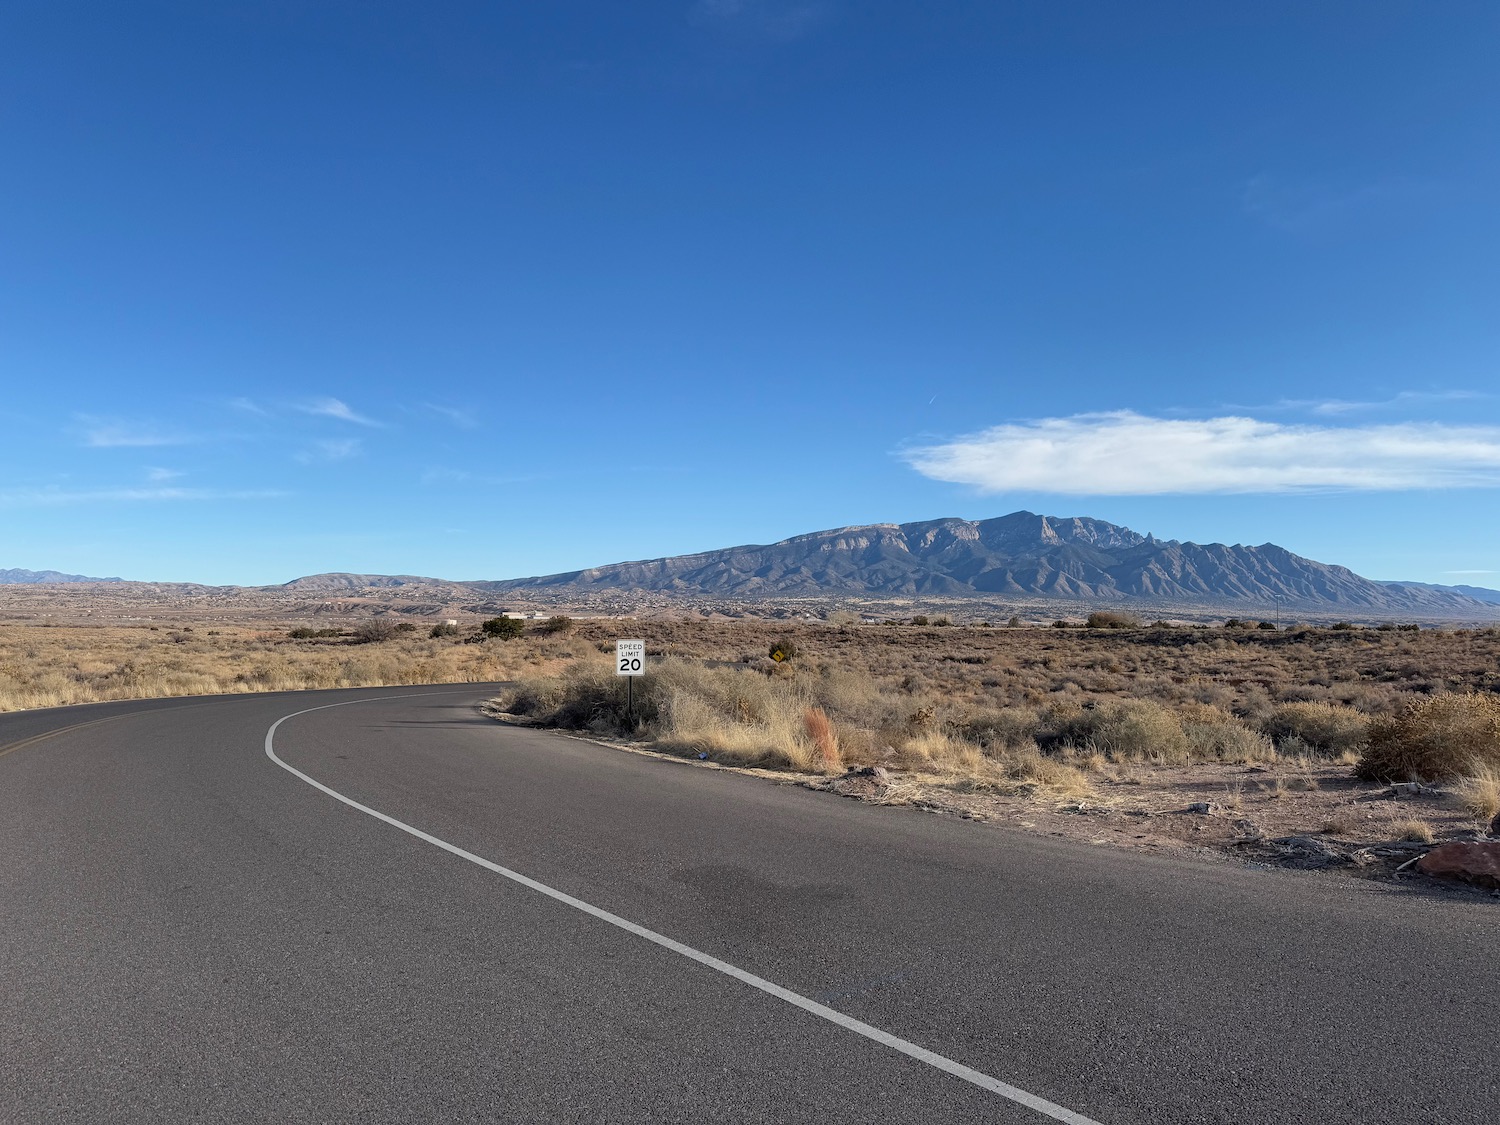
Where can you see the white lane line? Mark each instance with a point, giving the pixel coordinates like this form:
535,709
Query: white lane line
922,1054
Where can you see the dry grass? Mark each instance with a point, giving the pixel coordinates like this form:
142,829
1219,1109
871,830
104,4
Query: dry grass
1479,794
1436,739
51,667
811,722
1413,831
1046,707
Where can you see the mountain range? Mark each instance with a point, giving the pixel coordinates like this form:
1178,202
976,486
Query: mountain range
1021,555
32,577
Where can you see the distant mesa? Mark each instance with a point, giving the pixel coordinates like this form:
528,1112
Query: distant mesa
1020,555
40,577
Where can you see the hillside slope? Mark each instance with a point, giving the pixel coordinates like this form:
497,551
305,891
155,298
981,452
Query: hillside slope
1019,555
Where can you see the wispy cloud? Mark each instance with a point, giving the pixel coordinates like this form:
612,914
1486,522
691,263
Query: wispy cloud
763,19
336,408
335,450
249,406
58,497
1306,206
1402,399
111,433
157,476
441,475
464,419
1127,454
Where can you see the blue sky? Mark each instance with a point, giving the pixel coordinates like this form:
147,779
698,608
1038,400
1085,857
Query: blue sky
481,290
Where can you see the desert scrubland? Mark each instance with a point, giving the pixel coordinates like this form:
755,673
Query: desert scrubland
1238,736
1109,732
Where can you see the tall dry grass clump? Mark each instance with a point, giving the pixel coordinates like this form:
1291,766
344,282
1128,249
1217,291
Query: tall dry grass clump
1323,728
1437,739
1479,794
824,739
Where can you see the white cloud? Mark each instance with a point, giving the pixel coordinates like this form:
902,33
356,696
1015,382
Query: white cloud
1128,454
55,497
249,406
159,475
106,433
1404,398
335,408
339,450
464,419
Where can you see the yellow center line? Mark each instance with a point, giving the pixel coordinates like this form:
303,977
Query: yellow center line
34,739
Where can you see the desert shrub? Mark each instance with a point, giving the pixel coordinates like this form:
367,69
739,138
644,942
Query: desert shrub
1122,730
1343,626
1269,626
1214,735
1326,728
588,696
1111,619
1435,739
919,620
1013,623
373,631
556,626
503,628
443,630
942,622
1008,728
304,633
782,650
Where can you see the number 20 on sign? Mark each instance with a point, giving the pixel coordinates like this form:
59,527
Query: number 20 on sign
630,658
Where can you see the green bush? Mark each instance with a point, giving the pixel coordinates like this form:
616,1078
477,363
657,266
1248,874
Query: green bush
503,628
557,625
443,630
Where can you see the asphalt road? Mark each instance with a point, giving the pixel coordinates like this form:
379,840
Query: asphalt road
191,932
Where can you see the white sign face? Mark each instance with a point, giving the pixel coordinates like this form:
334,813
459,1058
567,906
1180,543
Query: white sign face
630,658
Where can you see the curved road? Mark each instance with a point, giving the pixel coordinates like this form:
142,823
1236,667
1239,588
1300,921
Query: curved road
194,929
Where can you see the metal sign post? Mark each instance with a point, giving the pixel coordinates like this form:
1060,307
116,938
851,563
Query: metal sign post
630,662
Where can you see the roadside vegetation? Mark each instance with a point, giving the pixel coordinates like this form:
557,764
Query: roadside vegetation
1056,713
50,666
1256,718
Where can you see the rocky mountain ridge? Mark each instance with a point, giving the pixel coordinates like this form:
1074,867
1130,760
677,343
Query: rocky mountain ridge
1019,555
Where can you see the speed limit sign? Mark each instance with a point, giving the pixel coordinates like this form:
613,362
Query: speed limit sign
630,658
